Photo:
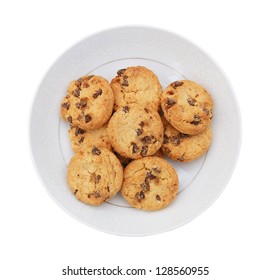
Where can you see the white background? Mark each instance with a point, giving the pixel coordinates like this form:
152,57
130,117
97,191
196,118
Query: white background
233,237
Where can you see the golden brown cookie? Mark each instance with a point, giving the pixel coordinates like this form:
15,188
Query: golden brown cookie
94,176
136,85
88,103
184,147
187,106
135,132
149,183
84,140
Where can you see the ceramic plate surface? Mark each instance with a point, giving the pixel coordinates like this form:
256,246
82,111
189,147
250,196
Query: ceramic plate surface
171,58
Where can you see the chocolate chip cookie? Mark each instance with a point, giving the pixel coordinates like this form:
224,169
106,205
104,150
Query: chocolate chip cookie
136,85
149,183
94,176
187,106
184,147
88,103
85,139
135,131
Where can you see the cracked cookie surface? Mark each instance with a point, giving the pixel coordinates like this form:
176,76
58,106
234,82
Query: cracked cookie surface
149,183
187,106
94,176
85,139
136,85
184,147
135,132
88,103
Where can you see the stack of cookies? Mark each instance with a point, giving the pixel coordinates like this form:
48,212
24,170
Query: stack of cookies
131,124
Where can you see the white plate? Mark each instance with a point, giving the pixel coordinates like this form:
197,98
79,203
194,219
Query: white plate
172,58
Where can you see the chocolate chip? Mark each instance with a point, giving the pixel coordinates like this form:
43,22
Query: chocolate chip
146,110
125,109
139,131
81,105
135,148
97,93
154,140
96,194
139,196
196,120
96,151
79,82
85,85
176,84
97,179
145,186
87,118
90,76
141,124
165,139
121,71
170,103
80,117
155,169
150,176
69,119
191,101
146,140
108,188
75,192
66,105
170,92
175,140
79,131
181,158
81,140
144,150
76,92
125,81
158,197
206,111
166,150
